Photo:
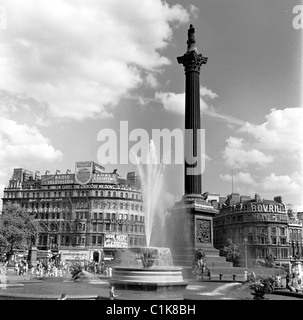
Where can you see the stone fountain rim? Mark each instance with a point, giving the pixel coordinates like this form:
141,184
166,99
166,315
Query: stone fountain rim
155,268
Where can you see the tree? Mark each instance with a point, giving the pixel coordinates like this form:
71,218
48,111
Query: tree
18,229
231,252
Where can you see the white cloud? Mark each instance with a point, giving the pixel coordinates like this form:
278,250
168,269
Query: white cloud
175,102
237,154
172,102
22,145
83,57
268,186
240,177
281,132
283,184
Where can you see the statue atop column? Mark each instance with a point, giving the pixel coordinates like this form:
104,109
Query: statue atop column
192,59
191,38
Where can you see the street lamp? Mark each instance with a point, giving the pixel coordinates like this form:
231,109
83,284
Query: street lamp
245,247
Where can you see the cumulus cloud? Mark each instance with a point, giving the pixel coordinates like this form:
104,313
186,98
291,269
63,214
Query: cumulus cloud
268,185
83,57
175,102
240,177
283,184
238,154
281,132
19,143
22,145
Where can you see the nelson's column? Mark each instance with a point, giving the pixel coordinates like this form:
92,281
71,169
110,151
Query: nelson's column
190,223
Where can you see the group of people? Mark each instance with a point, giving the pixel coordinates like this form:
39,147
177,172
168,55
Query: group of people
97,268
50,268
21,267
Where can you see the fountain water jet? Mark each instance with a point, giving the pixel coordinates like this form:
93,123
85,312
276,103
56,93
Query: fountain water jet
152,182
157,271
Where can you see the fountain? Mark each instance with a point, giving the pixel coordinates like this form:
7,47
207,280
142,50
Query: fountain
149,268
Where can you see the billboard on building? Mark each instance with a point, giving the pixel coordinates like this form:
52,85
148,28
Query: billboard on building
109,178
84,172
74,255
54,179
115,240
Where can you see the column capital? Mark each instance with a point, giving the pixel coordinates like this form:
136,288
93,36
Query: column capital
192,61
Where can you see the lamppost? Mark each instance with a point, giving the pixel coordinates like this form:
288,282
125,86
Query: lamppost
245,248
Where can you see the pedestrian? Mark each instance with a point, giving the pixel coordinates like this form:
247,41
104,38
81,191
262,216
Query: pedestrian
245,276
63,296
112,294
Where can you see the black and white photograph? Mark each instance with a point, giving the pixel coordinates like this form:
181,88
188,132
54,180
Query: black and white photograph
151,153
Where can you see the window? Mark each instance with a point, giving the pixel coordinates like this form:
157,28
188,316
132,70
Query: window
107,215
273,230
100,215
261,240
121,205
284,253
107,226
96,193
94,226
93,239
114,195
101,193
113,216
109,193
99,240
282,231
121,194
274,240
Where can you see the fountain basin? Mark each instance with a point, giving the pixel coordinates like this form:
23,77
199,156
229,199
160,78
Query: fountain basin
148,279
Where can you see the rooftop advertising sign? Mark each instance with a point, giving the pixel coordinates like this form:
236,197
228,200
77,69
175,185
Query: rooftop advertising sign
84,172
57,179
105,178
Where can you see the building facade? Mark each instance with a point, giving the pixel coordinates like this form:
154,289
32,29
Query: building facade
259,228
88,214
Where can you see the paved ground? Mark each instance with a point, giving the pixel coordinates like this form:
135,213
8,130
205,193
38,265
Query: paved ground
29,287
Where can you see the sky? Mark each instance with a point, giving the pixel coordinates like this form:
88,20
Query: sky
70,69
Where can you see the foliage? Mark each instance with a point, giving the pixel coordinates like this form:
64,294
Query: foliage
18,229
262,286
231,252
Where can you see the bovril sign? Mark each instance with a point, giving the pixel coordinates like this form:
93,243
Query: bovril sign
267,208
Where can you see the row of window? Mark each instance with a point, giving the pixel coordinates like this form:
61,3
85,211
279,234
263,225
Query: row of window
115,216
80,205
96,240
75,193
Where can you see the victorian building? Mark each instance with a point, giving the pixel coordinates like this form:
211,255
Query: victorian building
260,228
87,214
